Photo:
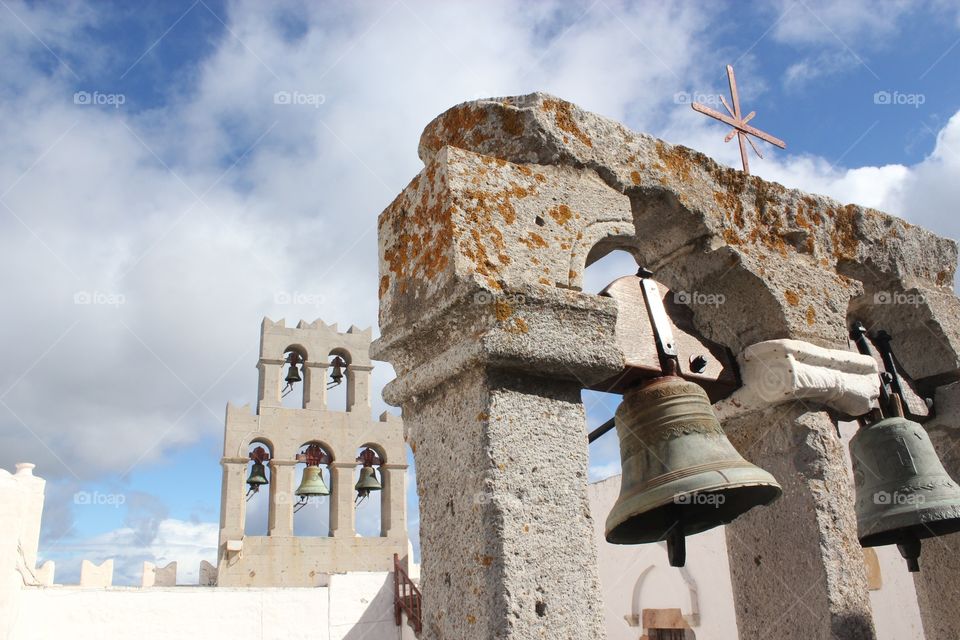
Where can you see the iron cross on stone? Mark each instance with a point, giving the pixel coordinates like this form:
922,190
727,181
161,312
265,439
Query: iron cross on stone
739,123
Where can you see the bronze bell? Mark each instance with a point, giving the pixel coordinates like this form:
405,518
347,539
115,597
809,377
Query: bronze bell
293,373
312,483
258,476
368,481
337,374
903,493
681,475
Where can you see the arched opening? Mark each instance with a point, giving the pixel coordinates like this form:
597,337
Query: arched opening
368,485
258,479
599,406
293,374
338,379
312,493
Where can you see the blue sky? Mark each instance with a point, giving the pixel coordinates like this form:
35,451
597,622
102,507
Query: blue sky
185,203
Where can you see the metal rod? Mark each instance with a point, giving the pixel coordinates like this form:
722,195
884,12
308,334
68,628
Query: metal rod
601,430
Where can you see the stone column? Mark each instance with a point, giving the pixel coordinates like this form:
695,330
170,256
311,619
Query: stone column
342,514
358,386
282,474
270,375
315,385
233,506
938,590
393,516
797,566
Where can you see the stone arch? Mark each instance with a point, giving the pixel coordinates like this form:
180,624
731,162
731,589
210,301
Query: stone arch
596,240
656,576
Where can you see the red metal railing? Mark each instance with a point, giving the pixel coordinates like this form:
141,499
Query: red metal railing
407,598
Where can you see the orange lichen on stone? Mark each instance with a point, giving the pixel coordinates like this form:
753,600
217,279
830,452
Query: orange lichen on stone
384,285
563,117
456,128
677,160
560,213
942,278
844,231
792,298
502,310
534,241
811,315
512,122
635,177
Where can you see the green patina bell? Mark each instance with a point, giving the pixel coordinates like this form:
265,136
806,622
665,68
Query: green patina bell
903,493
681,475
258,476
312,483
368,481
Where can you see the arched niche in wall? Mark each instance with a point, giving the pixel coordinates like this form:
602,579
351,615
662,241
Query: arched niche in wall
312,511
369,507
257,513
338,379
293,377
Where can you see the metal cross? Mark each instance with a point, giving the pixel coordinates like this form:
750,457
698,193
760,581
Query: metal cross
740,127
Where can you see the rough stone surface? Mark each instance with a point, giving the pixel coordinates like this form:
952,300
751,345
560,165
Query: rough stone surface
481,264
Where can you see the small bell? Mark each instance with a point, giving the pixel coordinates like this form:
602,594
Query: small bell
293,373
368,482
258,476
903,493
336,376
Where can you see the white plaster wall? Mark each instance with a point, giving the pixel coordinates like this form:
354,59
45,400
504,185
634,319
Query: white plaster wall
895,609
356,606
703,586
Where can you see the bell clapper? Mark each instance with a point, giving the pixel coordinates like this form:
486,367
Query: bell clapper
677,546
910,551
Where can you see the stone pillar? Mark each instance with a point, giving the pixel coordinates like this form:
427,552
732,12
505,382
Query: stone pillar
938,590
282,474
393,515
233,506
271,373
797,566
358,386
342,514
315,385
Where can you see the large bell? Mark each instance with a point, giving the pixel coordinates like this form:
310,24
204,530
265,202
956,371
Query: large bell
258,476
368,481
903,493
681,475
312,483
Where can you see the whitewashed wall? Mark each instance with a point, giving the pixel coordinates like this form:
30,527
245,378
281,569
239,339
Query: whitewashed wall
356,606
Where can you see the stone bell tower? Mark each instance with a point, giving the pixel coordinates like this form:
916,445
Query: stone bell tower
281,558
